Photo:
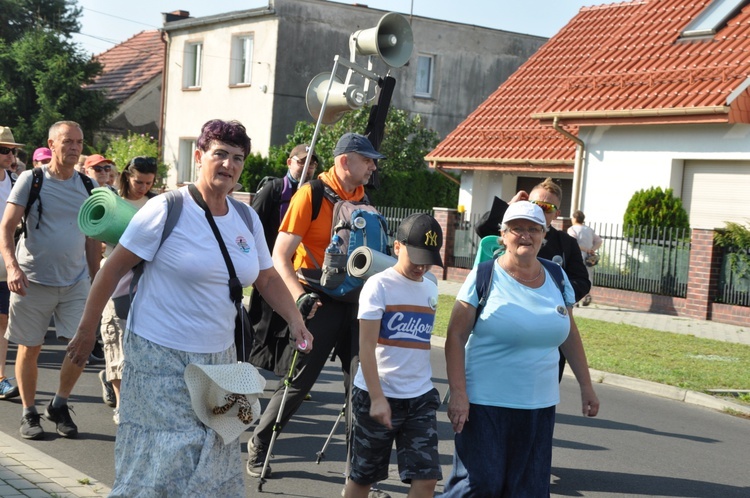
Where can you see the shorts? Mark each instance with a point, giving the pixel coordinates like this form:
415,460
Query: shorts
4,298
414,422
112,329
29,315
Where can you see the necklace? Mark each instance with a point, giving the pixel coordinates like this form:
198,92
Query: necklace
526,281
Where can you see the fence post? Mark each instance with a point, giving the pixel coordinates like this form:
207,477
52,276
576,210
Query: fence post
448,220
703,274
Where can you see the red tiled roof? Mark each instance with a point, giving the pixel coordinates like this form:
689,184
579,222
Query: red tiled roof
130,65
613,64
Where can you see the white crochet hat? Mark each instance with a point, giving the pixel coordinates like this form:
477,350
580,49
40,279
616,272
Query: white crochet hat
225,397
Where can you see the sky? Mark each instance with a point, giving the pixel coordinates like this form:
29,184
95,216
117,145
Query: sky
105,24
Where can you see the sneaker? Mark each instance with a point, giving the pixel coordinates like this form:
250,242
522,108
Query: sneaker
61,417
116,416
7,390
255,460
30,427
108,392
374,493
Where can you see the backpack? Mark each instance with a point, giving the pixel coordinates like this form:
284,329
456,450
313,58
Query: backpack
357,224
484,280
282,192
36,187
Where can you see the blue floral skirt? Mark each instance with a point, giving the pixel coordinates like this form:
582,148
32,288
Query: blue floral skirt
162,448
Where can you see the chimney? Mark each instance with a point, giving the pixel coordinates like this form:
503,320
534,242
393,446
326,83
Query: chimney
175,15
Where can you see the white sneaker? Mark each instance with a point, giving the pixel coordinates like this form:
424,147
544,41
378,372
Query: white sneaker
116,416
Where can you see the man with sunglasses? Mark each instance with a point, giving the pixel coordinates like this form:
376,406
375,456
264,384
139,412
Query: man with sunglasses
559,246
271,202
8,150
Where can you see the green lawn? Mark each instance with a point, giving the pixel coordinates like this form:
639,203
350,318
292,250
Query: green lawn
678,360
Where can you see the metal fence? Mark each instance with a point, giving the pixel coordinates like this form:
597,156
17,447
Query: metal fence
734,279
646,260
394,215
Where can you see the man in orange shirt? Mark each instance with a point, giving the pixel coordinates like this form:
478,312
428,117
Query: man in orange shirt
300,244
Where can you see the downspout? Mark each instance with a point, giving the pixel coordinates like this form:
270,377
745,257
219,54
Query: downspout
163,103
577,164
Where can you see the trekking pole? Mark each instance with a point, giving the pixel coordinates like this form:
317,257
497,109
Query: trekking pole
287,383
322,453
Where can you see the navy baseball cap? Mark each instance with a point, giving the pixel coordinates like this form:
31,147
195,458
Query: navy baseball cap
354,142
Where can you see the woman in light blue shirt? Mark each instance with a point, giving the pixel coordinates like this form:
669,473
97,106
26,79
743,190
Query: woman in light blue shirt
503,369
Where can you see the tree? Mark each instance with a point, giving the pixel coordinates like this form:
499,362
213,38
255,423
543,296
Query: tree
122,149
655,208
43,74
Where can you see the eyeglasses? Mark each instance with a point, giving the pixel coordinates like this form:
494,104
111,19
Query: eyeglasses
7,150
99,169
547,207
530,231
313,162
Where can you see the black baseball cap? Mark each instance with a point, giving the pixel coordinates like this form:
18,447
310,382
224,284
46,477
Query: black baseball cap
423,236
354,142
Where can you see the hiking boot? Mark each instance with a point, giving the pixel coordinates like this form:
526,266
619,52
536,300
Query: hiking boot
7,390
61,417
108,392
255,459
30,427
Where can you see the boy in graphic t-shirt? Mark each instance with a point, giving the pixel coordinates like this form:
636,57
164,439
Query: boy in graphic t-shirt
393,397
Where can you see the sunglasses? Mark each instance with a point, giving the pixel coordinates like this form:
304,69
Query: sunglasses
99,169
547,207
313,162
7,150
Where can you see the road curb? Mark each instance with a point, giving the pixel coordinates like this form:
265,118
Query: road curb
648,387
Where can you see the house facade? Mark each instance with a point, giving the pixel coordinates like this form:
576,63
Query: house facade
255,66
625,97
132,77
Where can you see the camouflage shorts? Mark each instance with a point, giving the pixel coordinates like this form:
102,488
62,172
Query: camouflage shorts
414,430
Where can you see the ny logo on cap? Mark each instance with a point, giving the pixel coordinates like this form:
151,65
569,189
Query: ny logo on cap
430,238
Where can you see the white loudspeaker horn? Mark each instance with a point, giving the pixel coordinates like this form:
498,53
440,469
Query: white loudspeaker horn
341,98
391,39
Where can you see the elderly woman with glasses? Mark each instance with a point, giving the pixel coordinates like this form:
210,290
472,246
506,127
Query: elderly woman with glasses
182,314
502,367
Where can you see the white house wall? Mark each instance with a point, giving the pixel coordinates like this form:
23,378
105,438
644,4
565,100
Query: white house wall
187,109
621,160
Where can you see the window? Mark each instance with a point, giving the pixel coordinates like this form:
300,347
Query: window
425,65
192,68
242,60
186,161
713,18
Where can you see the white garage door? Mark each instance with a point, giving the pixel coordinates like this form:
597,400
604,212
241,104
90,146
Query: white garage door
714,192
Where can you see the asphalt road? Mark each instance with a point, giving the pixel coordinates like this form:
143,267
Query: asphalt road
640,445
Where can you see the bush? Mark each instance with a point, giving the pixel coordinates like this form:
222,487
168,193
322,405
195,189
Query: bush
122,149
655,208
735,239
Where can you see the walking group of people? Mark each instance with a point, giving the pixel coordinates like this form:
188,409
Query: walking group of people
505,351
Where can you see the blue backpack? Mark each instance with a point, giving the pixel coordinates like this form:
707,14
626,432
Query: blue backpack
357,224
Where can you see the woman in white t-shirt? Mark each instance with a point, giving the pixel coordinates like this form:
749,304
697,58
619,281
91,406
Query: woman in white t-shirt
588,242
183,314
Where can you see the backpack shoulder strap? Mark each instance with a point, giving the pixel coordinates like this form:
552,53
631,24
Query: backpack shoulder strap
87,182
244,212
174,209
557,274
483,284
318,191
37,177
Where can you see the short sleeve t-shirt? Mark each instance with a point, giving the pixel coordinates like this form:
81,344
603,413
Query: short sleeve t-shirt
406,310
55,253
511,355
183,295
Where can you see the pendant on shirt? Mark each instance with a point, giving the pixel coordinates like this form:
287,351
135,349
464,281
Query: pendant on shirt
242,243
432,302
562,310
